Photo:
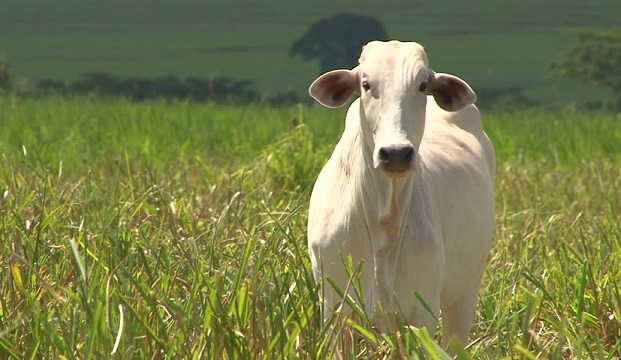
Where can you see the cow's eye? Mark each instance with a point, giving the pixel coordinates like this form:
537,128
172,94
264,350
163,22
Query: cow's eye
423,86
366,86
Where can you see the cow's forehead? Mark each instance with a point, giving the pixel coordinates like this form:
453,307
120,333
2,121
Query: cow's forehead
383,51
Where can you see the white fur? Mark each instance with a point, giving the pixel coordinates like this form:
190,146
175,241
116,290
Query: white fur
428,230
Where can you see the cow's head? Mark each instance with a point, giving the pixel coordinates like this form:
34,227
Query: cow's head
393,80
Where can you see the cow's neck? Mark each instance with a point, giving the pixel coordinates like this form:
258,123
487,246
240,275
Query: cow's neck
393,204
393,198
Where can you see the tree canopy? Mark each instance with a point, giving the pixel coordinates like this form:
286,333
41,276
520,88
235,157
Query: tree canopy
594,59
336,41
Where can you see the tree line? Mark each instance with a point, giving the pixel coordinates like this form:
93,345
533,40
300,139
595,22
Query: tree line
218,88
140,88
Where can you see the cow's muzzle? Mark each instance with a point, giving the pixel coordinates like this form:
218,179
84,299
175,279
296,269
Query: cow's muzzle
396,160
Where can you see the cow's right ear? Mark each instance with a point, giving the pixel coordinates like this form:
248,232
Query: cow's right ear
334,88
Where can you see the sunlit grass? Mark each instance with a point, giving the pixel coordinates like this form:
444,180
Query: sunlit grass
177,230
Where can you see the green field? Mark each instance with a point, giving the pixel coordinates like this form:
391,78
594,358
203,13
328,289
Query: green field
492,44
177,230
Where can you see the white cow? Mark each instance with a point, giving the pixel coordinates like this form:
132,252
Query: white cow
409,190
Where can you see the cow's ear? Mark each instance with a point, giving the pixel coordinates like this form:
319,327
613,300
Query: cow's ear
334,88
450,92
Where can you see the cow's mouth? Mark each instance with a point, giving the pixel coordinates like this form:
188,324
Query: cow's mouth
397,174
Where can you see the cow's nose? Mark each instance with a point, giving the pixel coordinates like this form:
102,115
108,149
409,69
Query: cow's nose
396,157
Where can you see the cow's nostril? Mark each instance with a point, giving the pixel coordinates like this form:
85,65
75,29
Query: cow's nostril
383,154
408,154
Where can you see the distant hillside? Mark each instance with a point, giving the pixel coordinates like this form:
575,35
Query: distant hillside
499,47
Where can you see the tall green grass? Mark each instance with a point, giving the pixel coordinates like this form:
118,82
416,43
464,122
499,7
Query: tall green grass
177,230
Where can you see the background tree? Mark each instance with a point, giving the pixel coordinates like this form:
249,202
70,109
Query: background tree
594,59
336,41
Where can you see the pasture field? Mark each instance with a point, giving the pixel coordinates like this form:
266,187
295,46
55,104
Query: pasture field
493,44
177,230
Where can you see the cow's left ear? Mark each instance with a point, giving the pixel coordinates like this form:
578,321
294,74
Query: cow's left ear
450,92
